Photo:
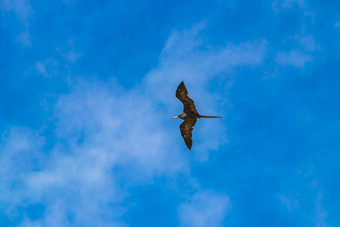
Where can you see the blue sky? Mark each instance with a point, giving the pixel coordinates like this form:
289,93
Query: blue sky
88,92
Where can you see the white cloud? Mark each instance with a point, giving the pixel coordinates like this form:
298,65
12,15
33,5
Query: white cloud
48,68
127,127
287,4
310,206
289,202
103,127
205,208
20,155
307,42
69,52
73,185
24,39
295,58
306,52
185,58
23,11
320,213
22,8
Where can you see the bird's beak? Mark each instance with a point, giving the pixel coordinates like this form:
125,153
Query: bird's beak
174,117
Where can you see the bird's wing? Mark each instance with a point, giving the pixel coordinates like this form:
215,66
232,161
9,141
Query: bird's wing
182,94
186,130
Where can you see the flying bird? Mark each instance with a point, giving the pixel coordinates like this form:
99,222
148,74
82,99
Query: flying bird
189,114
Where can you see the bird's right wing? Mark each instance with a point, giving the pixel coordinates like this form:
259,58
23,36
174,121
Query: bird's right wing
182,94
186,130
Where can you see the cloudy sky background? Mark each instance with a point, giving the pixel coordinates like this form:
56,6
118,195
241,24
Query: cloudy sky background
88,92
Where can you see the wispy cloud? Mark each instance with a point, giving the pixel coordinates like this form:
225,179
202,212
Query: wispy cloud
24,39
304,45
286,4
186,58
294,200
22,8
23,11
19,156
205,208
308,43
69,52
295,58
89,92
48,68
110,138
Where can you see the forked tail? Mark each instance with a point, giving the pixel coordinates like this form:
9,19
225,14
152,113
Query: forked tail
204,116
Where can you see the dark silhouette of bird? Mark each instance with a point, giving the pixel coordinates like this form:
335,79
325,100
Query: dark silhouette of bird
189,114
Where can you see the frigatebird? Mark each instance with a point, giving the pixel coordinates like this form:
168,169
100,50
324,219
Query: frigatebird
189,114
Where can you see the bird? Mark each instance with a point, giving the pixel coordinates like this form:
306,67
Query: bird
189,115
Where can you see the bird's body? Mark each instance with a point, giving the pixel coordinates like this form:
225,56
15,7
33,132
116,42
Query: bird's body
189,114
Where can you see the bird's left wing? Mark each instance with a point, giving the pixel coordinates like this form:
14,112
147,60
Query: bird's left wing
182,95
186,130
